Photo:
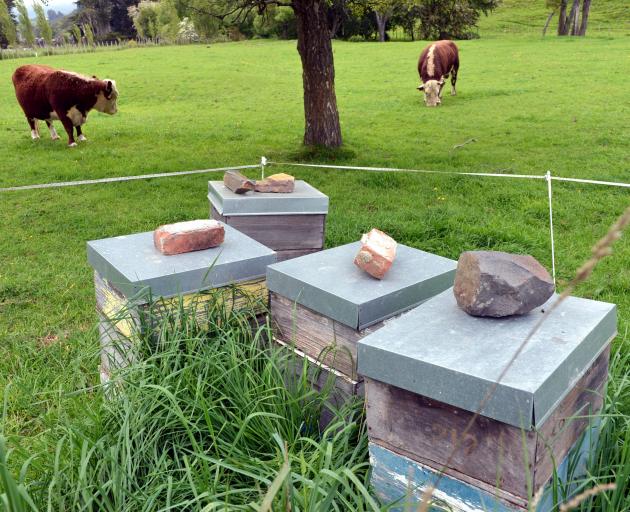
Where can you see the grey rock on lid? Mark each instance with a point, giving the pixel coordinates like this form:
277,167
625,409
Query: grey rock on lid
498,284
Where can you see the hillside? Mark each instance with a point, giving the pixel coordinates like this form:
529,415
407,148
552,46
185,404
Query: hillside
527,17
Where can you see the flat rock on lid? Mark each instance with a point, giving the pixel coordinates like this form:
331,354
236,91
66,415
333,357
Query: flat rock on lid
279,183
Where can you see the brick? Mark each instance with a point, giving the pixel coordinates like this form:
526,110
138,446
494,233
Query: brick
238,183
280,183
193,235
377,253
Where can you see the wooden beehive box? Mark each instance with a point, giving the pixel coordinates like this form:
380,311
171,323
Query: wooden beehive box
322,304
291,224
427,372
136,285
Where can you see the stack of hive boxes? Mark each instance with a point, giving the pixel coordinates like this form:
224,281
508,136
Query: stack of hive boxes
322,304
136,285
291,224
428,372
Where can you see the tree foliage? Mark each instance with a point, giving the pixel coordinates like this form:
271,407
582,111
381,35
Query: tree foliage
26,27
427,19
454,19
8,33
45,31
96,14
145,18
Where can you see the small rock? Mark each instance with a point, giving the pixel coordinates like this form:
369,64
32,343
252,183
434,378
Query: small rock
192,235
377,253
280,183
497,284
238,183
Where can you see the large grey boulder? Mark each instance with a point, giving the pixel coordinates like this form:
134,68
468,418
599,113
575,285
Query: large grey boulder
497,284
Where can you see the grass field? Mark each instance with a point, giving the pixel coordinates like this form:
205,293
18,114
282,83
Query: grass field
531,105
526,17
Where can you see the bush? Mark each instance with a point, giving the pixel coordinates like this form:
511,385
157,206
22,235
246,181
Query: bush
278,22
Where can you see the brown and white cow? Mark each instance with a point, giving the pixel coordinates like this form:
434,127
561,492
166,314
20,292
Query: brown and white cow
52,94
437,61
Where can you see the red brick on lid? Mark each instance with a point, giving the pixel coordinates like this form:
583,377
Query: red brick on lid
376,254
192,235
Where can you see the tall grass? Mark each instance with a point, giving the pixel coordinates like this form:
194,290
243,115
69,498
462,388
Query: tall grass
212,418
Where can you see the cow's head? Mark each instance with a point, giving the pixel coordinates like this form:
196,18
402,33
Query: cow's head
431,90
107,97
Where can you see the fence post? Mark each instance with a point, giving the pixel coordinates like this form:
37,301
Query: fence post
553,248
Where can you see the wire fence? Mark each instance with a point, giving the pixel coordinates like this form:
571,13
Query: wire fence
99,46
547,177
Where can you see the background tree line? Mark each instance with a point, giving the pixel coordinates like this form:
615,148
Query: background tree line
190,20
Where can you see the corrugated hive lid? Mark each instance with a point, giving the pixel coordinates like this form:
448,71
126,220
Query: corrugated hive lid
305,199
133,264
439,351
329,283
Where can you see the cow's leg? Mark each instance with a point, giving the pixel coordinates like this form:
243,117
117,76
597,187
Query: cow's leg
32,122
454,78
51,128
68,126
80,135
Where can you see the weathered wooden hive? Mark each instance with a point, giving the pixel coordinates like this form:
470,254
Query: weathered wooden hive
136,285
428,371
291,224
322,304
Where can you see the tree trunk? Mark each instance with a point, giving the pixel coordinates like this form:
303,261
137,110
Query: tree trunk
335,25
318,74
547,22
562,18
586,7
381,23
573,17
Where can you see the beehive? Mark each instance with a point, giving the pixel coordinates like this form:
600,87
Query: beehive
322,304
427,372
136,285
291,224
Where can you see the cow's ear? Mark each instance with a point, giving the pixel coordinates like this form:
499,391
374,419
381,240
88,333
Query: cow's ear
421,87
441,82
108,87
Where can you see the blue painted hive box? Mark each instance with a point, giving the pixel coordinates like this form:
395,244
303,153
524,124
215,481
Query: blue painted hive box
427,373
137,286
292,224
322,304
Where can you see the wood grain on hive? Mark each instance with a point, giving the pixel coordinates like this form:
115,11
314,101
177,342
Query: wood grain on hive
137,287
431,369
322,304
292,224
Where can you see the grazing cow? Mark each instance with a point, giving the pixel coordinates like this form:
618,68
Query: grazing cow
437,61
52,94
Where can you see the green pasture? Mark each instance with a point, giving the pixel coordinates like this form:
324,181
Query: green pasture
524,106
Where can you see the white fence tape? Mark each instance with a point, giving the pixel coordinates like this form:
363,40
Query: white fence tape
125,178
453,173
264,162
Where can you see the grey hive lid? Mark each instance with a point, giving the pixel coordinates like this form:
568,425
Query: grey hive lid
438,351
133,264
304,200
329,283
